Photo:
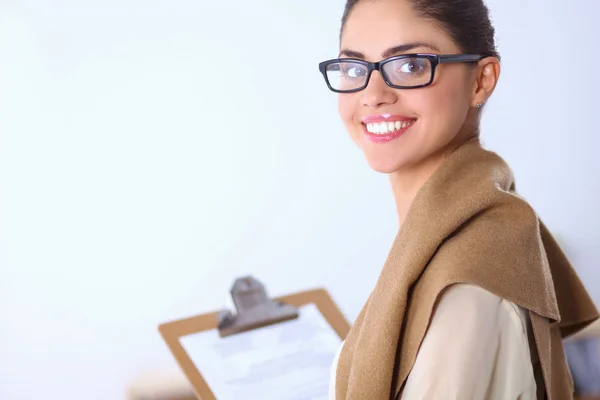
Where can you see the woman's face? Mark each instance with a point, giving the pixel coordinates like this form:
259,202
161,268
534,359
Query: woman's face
435,114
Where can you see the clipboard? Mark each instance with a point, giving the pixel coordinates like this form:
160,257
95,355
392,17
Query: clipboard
253,310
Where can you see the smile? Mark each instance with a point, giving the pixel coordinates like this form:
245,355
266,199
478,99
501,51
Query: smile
387,127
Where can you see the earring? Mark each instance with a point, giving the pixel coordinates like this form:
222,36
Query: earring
479,105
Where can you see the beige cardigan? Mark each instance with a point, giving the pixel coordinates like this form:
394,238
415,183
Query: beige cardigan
465,225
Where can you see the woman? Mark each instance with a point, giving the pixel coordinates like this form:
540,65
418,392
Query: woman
475,296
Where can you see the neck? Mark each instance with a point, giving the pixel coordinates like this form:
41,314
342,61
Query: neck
407,181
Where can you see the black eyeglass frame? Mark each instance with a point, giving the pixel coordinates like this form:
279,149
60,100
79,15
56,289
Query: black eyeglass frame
435,60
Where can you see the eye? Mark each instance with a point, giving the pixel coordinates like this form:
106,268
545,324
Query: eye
413,66
354,71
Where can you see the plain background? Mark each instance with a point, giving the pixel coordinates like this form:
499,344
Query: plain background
151,152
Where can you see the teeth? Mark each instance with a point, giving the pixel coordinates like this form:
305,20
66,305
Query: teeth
388,127
383,127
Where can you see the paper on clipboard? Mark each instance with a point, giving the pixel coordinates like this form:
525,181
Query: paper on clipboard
290,360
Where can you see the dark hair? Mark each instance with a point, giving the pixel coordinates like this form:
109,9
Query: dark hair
467,21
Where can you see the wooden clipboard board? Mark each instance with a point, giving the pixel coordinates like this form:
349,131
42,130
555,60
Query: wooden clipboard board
173,331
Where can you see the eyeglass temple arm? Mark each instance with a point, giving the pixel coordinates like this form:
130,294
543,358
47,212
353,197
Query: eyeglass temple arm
458,58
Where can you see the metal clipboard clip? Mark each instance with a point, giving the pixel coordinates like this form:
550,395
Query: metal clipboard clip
253,309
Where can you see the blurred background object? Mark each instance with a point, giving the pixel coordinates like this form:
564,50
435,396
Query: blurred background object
160,385
583,356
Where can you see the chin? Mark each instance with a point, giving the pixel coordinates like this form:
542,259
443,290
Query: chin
384,166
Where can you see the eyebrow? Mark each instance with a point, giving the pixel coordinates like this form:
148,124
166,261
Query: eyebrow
403,48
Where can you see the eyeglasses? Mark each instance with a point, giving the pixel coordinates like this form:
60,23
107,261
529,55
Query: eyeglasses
407,71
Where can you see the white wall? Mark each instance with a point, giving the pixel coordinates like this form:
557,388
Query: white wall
151,152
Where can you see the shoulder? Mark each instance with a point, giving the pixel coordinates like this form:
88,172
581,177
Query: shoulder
503,250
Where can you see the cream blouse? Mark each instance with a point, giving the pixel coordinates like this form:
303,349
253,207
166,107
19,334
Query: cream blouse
476,348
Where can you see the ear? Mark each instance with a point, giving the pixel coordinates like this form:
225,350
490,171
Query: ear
487,74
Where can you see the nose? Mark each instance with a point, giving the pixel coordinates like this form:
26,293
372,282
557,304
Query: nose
377,93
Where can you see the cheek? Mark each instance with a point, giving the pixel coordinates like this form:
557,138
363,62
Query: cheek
347,109
445,107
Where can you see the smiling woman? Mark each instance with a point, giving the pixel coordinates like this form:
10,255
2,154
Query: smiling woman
472,300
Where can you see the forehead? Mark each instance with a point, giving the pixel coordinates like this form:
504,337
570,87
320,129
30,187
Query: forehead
375,26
